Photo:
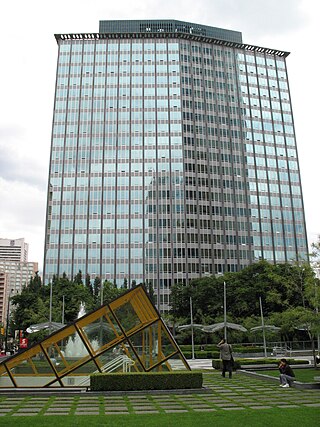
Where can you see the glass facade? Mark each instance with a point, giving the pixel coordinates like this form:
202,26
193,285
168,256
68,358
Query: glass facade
172,157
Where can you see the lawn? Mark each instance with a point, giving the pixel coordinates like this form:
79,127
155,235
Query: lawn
302,375
257,418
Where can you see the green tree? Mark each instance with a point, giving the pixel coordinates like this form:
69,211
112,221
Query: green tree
97,290
29,306
280,286
111,292
32,305
299,319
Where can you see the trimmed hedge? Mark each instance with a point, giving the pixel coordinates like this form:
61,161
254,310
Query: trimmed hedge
237,348
145,381
210,351
217,364
202,354
239,363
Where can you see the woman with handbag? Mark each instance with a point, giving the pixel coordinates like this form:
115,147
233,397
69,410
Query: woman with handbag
226,357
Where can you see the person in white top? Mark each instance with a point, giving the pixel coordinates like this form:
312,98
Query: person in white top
226,357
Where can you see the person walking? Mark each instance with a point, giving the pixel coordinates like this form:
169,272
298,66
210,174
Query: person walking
286,374
226,357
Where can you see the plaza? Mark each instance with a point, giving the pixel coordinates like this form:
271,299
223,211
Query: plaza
219,394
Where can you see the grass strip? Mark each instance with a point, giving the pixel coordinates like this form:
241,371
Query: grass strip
287,417
302,375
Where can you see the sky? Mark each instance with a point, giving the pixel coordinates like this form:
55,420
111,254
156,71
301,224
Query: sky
27,82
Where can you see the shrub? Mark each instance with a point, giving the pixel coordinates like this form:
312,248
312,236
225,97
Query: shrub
239,362
145,381
217,364
201,354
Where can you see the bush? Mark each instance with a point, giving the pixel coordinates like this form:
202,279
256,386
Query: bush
201,354
239,362
145,381
217,364
248,349
212,348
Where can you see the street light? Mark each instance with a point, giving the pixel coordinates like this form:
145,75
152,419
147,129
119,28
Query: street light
191,321
50,308
7,323
316,300
192,326
263,330
225,309
62,316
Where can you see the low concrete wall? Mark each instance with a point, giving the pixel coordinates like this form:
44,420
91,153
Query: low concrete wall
296,384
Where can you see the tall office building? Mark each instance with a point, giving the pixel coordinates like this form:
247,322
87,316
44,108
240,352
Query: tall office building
173,156
14,250
15,271
3,297
19,274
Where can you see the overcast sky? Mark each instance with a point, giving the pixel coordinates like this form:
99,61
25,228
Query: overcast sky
27,81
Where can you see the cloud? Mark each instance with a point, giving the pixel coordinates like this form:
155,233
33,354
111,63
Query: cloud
23,210
18,159
257,17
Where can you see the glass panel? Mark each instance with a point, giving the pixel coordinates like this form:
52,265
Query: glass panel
127,317
117,360
137,366
152,344
102,333
68,352
5,380
35,371
80,377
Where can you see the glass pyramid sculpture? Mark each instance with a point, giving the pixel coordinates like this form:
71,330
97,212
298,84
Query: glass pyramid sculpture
126,335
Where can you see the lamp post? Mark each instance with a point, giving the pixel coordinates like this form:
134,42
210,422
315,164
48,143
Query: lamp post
101,293
50,308
225,309
62,317
316,299
7,323
191,322
263,329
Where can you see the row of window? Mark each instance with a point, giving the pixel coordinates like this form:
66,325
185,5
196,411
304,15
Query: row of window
115,46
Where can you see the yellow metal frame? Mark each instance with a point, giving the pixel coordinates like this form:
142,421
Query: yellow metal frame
130,325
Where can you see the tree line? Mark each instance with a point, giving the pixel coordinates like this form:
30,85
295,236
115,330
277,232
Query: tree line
289,295
32,305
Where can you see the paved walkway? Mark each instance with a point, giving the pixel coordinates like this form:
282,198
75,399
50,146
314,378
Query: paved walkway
239,393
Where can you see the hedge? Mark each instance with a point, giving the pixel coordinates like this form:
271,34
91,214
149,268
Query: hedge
239,363
212,351
145,381
202,354
217,364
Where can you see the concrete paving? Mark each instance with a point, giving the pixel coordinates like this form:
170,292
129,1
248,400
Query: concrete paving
220,394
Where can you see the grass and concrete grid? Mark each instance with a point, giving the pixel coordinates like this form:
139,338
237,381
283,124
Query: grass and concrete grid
241,401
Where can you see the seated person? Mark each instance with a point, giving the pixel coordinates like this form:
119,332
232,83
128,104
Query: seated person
286,374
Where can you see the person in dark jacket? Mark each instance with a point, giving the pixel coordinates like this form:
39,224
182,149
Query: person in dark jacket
286,374
226,356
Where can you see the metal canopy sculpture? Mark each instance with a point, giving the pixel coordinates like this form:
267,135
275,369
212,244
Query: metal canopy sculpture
218,326
126,334
267,327
54,326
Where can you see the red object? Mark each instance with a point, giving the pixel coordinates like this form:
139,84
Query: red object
23,342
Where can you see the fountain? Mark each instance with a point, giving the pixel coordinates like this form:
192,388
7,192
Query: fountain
75,347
